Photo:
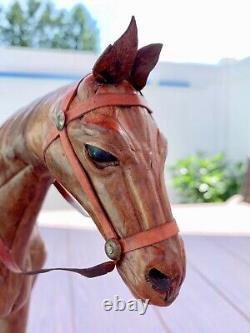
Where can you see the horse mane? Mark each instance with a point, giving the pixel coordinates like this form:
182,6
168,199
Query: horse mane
123,61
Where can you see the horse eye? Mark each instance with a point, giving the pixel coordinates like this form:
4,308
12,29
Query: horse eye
101,156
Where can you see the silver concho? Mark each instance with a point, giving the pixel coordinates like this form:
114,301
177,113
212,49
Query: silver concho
60,119
113,249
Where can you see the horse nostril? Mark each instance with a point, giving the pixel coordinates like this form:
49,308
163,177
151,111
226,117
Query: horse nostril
158,280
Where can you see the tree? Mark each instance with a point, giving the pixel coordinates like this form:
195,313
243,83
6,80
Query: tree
39,24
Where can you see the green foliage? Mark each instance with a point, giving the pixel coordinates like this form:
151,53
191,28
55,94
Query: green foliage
202,179
39,24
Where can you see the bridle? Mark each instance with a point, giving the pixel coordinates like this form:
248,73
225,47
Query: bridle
115,246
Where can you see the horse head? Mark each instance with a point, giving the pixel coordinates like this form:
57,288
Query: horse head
115,141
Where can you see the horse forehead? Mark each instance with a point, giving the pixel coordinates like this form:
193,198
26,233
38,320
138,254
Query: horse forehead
134,124
138,123
89,87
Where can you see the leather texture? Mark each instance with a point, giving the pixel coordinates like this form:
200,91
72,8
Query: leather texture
137,241
46,143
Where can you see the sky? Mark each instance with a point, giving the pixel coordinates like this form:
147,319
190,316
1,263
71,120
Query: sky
198,31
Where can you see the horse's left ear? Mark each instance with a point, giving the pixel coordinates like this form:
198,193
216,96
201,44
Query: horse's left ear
146,59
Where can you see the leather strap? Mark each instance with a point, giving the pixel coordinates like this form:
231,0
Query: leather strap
69,198
82,178
7,259
139,240
90,272
149,237
91,104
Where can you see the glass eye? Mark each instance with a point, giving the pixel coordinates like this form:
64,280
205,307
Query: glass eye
100,156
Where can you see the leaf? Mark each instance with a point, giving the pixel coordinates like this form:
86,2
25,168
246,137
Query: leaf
206,179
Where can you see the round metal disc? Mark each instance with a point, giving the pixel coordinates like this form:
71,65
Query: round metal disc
113,249
60,120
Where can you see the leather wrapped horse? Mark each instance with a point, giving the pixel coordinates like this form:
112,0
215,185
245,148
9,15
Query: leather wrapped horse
98,143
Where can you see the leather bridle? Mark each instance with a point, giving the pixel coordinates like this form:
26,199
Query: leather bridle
115,246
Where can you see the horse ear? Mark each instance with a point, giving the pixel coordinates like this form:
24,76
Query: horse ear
146,59
116,62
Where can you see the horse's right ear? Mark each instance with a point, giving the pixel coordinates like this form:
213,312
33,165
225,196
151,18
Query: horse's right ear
146,59
116,62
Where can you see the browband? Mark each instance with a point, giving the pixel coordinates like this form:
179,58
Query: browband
94,103
115,246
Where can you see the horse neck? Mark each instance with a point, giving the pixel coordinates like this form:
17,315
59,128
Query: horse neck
24,180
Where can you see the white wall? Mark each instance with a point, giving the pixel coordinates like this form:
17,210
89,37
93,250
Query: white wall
198,107
236,124
26,74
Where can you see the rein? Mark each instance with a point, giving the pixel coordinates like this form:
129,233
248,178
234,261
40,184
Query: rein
115,246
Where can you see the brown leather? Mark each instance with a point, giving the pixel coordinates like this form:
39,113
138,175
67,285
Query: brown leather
109,68
7,259
97,101
83,180
139,240
123,61
132,194
93,103
89,272
149,237
146,59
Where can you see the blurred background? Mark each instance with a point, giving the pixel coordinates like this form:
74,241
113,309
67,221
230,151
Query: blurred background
199,89
199,92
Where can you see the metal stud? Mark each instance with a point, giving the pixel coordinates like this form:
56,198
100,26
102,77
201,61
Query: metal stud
60,120
113,249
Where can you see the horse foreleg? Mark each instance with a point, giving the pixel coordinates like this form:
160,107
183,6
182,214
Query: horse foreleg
15,322
15,311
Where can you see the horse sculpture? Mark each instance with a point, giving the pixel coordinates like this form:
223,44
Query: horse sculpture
98,142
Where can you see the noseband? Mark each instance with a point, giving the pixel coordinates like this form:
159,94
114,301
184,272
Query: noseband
115,246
